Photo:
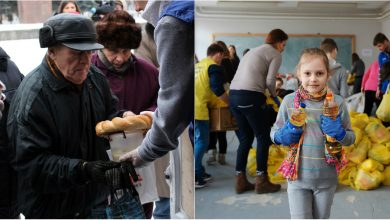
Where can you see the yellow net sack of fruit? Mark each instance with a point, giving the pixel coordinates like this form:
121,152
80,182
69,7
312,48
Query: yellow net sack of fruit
380,153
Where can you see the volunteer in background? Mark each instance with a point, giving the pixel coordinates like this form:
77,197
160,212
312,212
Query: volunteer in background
256,73
357,71
338,74
234,58
382,43
220,136
209,93
369,86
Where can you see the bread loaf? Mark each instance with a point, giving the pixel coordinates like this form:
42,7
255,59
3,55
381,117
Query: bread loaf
132,123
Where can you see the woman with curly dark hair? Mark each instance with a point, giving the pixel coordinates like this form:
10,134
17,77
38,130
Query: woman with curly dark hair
133,80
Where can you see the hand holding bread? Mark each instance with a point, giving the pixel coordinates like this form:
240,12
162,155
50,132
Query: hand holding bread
129,124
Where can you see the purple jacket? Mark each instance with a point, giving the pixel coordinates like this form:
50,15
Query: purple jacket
136,88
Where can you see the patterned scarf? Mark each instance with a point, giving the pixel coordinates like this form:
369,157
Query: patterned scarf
289,166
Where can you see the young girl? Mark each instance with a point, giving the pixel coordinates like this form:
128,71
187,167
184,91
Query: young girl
311,189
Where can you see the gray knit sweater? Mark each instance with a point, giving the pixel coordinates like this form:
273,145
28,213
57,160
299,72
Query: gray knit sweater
257,70
313,170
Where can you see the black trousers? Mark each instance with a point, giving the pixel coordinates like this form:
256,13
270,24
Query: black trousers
369,101
219,136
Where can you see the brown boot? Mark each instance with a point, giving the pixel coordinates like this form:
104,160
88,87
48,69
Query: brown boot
263,185
242,183
221,159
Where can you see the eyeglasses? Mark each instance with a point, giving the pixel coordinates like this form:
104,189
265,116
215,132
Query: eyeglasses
2,88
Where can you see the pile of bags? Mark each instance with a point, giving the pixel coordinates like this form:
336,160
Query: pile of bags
369,157
276,156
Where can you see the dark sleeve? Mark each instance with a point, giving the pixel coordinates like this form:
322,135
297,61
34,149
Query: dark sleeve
48,172
354,68
216,80
227,70
384,72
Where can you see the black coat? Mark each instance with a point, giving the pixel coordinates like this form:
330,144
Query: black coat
227,70
11,77
51,129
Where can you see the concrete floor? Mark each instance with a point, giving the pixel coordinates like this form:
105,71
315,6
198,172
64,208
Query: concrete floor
219,200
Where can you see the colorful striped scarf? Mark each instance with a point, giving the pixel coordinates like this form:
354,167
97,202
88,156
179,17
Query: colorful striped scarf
289,166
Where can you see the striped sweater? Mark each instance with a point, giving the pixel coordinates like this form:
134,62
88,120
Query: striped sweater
313,170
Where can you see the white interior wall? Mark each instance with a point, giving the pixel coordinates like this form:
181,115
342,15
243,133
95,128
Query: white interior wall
386,27
364,30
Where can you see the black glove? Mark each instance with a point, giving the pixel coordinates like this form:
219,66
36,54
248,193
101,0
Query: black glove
121,177
96,170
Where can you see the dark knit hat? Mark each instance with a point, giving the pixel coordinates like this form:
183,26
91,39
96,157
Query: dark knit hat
74,31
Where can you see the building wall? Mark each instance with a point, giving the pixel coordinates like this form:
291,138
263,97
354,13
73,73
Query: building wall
34,11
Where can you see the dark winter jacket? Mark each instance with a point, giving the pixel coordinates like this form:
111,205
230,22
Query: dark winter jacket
11,77
52,129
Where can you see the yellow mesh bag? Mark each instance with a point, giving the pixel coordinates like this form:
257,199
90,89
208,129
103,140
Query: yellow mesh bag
377,133
386,174
380,153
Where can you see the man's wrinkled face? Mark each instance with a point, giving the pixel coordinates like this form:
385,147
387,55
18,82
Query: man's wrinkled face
73,64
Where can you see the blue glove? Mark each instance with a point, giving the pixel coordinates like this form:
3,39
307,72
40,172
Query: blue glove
276,100
288,134
333,128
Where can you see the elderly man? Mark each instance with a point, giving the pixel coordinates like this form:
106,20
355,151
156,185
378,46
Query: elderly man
63,167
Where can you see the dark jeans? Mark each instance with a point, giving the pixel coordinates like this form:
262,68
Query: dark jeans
357,85
369,100
162,210
127,207
252,116
219,136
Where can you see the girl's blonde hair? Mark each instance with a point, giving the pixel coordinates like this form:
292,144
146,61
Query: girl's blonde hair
309,53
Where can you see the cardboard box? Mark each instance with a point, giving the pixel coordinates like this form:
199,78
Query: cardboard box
222,120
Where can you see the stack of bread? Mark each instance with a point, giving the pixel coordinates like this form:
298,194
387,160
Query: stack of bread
126,124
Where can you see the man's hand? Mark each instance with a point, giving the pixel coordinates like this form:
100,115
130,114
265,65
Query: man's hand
134,158
96,170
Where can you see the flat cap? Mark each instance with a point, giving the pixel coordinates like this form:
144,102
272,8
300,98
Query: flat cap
74,31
